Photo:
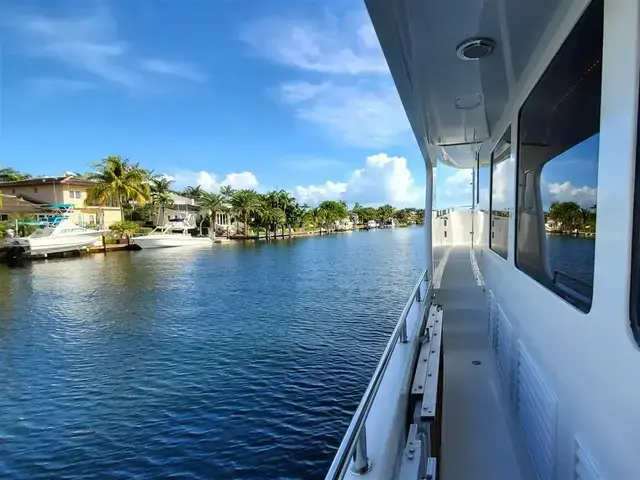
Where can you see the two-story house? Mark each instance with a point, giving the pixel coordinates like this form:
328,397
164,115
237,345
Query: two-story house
68,190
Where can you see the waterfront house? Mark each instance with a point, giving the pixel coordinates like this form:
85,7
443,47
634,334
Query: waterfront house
181,206
66,189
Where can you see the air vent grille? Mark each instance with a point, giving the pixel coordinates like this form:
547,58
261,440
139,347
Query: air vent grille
537,412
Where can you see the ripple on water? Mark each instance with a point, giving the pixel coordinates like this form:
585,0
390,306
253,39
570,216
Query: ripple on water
244,361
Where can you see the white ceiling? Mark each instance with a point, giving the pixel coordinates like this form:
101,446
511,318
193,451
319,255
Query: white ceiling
419,39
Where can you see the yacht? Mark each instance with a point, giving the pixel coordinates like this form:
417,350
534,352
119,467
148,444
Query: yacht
371,225
507,362
55,233
176,233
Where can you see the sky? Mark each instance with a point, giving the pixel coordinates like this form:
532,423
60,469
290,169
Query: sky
276,94
264,95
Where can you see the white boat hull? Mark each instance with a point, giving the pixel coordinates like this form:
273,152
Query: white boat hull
167,241
54,244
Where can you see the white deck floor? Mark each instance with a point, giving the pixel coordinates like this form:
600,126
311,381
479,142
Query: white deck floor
479,441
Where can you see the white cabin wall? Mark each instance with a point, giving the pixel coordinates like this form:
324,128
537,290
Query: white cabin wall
589,362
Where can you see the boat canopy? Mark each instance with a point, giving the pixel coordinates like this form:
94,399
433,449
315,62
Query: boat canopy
460,66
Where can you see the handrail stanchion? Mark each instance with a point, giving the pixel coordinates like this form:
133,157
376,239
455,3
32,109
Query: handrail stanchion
361,463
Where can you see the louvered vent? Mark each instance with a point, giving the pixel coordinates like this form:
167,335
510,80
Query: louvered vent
585,467
503,344
537,412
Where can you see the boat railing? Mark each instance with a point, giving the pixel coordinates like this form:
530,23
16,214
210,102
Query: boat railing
576,289
354,443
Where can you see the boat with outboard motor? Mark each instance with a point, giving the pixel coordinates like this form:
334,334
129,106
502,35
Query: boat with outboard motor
510,362
55,233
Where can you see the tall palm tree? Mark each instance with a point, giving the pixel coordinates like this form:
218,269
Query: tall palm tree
210,203
160,194
118,181
244,202
227,192
193,192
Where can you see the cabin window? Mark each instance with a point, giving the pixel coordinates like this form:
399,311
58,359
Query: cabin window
501,193
557,166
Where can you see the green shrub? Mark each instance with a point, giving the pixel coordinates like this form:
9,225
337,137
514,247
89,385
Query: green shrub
125,228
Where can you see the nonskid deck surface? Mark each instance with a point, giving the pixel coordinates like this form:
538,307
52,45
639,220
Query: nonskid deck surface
478,439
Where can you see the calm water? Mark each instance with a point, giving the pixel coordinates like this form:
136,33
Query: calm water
245,361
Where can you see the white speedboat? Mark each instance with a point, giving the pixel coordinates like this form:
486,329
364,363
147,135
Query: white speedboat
174,234
371,225
502,366
55,233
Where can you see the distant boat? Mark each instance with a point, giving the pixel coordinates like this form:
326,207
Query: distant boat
371,225
56,233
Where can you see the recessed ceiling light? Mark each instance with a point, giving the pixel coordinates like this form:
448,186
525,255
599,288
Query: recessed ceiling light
475,48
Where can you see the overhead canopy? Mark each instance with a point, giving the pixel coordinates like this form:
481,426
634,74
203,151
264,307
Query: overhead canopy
454,104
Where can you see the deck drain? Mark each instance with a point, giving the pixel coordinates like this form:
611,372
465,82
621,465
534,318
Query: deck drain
476,362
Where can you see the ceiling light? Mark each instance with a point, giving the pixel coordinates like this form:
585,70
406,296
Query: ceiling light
475,48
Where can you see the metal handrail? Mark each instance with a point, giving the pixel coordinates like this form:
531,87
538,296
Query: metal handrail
356,433
570,277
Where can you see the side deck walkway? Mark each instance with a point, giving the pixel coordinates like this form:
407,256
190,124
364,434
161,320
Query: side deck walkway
478,439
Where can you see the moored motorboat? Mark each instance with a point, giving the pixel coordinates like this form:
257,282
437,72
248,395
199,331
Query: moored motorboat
55,233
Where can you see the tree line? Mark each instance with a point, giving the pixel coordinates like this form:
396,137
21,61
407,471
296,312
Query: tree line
569,217
143,195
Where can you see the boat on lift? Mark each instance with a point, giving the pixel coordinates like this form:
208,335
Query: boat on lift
55,233
176,233
510,362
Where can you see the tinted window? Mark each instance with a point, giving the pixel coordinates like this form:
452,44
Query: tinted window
501,194
557,166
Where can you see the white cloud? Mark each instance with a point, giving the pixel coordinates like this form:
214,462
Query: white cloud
345,46
212,182
359,114
584,196
351,96
89,43
383,179
178,69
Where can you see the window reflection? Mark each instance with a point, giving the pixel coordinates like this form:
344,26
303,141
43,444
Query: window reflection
501,194
558,166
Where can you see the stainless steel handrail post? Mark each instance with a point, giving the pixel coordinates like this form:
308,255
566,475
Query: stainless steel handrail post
361,463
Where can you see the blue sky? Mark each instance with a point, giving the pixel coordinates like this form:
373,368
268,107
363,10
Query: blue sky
278,94
259,94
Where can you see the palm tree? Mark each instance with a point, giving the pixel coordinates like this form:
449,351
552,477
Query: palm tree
227,192
244,202
193,192
118,181
210,203
386,212
160,194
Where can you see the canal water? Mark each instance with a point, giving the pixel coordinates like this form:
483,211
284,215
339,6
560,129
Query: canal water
241,361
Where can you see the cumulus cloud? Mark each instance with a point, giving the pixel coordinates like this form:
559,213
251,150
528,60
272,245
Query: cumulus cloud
584,196
351,96
383,179
212,182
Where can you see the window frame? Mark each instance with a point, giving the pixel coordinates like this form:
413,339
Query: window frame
634,287
491,221
558,292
